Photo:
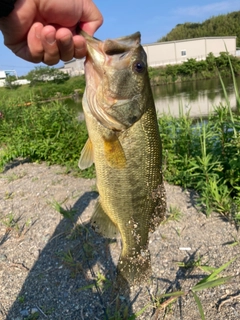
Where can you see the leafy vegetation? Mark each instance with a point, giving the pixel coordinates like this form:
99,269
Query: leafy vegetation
193,69
46,83
49,132
46,74
222,25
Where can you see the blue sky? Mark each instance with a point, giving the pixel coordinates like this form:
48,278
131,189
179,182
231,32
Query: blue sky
153,18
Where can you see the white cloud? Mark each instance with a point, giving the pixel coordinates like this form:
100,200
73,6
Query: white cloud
209,9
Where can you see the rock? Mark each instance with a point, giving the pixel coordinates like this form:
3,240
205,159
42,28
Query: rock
34,310
24,313
3,257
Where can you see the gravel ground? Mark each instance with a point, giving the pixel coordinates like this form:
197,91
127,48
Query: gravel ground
49,265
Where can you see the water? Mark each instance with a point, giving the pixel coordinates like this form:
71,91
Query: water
74,103
199,97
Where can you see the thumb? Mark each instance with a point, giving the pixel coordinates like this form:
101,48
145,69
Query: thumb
91,18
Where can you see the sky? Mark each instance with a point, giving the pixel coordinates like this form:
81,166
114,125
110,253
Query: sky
153,18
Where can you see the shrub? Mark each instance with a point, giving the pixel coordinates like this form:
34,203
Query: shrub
47,132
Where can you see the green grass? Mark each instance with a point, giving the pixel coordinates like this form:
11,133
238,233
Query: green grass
48,132
13,224
42,91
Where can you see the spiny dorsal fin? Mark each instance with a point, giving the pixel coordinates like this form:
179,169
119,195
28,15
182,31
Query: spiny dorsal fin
86,158
114,153
102,224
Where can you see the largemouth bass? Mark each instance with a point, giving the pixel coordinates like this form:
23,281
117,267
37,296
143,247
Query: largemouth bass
124,143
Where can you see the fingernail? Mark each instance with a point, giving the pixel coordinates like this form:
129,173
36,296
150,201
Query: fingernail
50,38
80,49
38,32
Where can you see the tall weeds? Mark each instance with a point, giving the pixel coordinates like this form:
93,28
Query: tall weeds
47,132
205,156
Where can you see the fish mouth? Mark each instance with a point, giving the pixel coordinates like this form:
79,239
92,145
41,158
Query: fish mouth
107,94
111,47
111,51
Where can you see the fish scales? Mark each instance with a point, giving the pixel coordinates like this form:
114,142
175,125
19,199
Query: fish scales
126,149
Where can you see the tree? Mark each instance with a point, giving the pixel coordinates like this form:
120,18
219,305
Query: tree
45,73
222,25
10,82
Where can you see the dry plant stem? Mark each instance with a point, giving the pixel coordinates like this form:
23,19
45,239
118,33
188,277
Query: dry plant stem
228,300
19,265
165,304
42,312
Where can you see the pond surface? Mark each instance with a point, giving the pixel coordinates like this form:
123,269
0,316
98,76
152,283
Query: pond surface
198,97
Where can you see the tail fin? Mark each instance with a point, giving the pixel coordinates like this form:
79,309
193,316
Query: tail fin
134,269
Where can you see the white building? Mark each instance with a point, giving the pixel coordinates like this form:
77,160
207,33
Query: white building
172,52
2,78
74,67
175,52
20,82
5,73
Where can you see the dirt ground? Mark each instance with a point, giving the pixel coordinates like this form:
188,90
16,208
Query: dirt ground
53,267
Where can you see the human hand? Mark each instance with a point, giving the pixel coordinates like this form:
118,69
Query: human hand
45,30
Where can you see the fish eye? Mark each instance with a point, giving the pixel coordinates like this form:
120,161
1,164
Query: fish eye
139,66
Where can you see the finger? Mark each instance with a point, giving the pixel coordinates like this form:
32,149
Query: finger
50,47
80,47
35,48
30,49
65,44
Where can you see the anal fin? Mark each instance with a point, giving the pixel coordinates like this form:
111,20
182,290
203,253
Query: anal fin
102,224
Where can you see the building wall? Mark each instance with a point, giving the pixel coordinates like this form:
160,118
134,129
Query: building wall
172,52
74,67
2,74
219,45
189,49
156,53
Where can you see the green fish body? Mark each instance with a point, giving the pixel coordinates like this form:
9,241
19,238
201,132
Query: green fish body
124,143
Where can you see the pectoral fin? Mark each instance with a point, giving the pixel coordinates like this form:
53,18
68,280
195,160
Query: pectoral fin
102,223
86,158
114,153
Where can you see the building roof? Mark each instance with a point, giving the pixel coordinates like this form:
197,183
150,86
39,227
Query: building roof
184,40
